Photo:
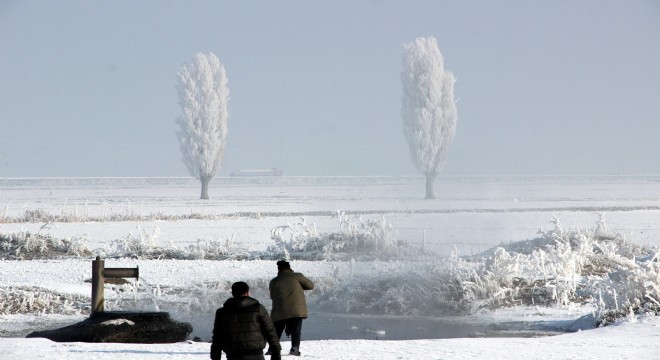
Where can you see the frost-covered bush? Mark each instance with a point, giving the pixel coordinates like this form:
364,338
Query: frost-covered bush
209,249
559,268
37,215
26,246
366,239
33,300
145,245
140,245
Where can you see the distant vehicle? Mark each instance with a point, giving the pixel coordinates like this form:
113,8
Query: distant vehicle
257,172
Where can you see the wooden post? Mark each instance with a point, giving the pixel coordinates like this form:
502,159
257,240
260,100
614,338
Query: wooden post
97,285
99,273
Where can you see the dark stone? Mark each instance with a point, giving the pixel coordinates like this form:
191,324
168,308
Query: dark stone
121,327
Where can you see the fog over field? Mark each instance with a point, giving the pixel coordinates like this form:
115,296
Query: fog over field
550,88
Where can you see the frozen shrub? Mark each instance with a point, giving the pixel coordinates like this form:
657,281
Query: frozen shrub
26,246
366,239
35,300
216,250
144,245
35,216
560,268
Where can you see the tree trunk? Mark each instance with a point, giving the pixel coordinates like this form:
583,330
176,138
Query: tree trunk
205,187
429,186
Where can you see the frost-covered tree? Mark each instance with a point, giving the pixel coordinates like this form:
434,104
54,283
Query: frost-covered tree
428,107
203,96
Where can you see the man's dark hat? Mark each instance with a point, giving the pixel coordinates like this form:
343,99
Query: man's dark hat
239,288
283,265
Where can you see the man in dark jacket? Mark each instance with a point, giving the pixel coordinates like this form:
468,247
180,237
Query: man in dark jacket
242,327
289,305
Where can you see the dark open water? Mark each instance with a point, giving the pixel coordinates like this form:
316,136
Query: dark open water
351,327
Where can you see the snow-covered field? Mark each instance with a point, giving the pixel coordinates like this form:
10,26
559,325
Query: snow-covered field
189,251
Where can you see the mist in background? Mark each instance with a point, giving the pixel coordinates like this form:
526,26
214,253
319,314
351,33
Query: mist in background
544,88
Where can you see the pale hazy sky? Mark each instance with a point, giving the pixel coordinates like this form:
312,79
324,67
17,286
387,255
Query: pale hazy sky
87,88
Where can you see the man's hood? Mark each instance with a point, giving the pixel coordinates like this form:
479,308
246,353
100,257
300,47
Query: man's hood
241,302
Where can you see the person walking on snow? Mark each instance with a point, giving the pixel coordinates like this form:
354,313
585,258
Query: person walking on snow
289,305
242,327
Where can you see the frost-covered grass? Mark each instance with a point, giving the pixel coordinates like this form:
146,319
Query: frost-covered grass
26,246
33,300
558,268
366,239
145,245
75,215
355,237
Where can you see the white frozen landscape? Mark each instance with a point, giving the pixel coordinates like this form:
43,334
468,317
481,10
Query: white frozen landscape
540,267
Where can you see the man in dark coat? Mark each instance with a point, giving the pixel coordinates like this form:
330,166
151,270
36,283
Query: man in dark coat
242,327
289,305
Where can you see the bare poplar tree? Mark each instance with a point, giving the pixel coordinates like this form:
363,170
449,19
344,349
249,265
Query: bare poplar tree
428,107
203,96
